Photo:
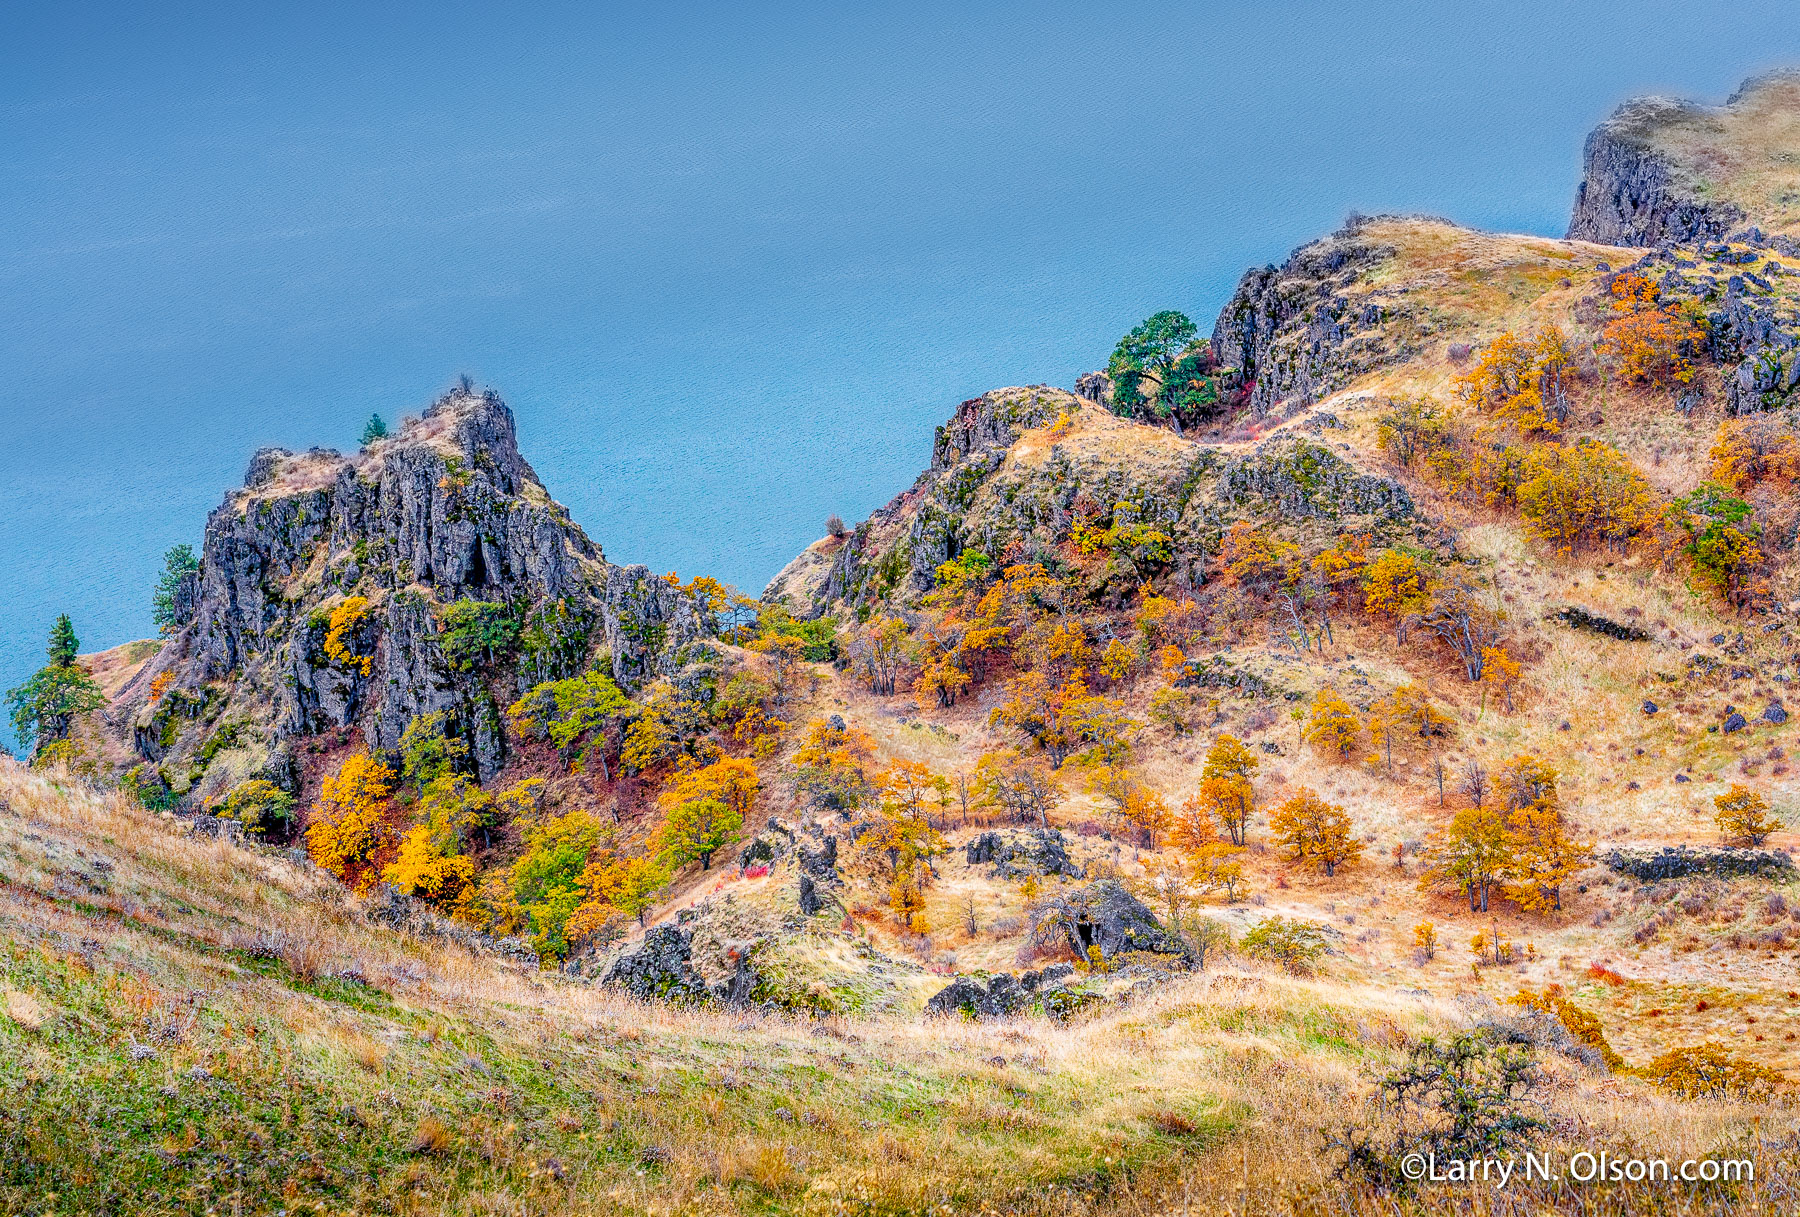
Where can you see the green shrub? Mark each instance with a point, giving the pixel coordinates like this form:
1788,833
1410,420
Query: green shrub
1294,944
1470,1097
260,806
475,632
145,784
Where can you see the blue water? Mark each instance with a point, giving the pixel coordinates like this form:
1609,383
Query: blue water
729,267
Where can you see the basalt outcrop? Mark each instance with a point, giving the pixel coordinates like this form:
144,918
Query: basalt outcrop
321,598
1631,193
1662,171
1017,472
1297,332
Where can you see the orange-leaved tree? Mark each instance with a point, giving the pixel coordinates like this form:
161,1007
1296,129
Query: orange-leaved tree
831,764
1585,496
1314,831
1225,785
1743,815
1650,341
1396,588
1523,381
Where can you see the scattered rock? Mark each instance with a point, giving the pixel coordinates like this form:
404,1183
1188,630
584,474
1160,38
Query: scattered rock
1649,707
1579,618
1735,722
810,901
1775,712
1673,862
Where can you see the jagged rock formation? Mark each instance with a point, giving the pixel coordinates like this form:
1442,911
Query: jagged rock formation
445,511
1303,330
1665,171
1018,855
1015,470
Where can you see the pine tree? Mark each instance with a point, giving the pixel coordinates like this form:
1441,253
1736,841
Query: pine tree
172,605
64,646
373,430
44,708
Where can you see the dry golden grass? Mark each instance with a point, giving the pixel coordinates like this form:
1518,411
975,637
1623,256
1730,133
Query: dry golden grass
1213,1092
1745,152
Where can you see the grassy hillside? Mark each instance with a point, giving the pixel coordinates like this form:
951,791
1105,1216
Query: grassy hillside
192,1027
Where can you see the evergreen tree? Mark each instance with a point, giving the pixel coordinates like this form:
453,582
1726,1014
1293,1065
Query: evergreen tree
1159,371
375,429
172,606
44,707
64,646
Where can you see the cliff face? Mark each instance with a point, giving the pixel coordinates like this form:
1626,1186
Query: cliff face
447,511
1662,171
1300,331
1629,192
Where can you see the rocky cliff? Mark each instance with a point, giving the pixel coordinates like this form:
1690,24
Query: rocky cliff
1631,193
1300,331
328,582
1665,171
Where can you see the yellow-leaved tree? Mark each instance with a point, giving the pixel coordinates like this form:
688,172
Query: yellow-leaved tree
350,820
1743,815
1332,725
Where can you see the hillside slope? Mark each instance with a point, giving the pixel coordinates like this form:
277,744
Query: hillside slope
1087,830
187,1027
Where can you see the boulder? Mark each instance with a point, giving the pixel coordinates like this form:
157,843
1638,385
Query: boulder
1579,618
1106,916
1775,712
1055,974
759,849
1118,921
1032,853
810,900
1736,722
660,969
1000,997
